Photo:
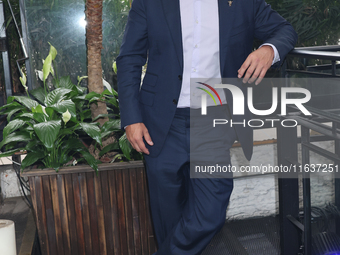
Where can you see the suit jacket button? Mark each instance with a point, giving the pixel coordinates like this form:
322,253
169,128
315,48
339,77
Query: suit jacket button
174,101
180,77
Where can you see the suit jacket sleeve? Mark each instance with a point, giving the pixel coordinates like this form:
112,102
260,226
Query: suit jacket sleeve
132,56
272,28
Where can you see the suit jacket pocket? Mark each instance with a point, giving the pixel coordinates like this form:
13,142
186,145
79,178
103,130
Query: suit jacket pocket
150,79
146,97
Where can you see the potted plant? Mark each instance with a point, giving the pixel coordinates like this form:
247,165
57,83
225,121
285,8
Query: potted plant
79,209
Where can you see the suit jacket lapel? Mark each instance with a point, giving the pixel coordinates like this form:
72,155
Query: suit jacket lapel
226,19
173,18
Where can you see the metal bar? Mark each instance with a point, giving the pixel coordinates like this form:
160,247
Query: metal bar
322,152
25,42
315,54
283,69
320,48
288,191
333,67
325,75
307,234
5,54
337,181
322,67
318,138
327,114
316,128
296,222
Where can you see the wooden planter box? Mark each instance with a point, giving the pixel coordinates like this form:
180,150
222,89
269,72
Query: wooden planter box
78,212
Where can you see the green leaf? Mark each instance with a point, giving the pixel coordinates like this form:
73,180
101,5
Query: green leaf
32,145
39,117
71,144
111,125
125,146
25,101
110,147
91,95
39,94
56,96
89,159
81,90
48,132
65,82
38,109
9,115
100,116
49,112
25,115
111,100
65,131
12,126
31,158
62,106
10,153
53,51
47,66
20,136
92,130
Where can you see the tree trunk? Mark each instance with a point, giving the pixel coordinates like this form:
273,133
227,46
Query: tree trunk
94,38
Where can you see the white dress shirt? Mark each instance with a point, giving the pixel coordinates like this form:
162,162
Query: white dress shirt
201,51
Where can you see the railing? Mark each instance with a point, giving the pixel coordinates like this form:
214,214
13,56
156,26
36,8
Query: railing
290,227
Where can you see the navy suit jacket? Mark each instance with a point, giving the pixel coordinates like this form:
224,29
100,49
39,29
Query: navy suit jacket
153,33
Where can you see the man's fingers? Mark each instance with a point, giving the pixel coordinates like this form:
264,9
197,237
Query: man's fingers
262,75
141,146
256,65
249,72
147,137
135,133
244,67
256,74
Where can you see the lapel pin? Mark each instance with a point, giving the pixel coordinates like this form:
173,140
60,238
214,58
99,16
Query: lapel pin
230,3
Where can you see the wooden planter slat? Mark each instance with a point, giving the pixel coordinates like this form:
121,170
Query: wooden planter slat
56,214
52,239
71,216
100,214
40,216
142,210
63,215
121,213
107,212
114,212
135,211
128,211
79,212
86,213
92,213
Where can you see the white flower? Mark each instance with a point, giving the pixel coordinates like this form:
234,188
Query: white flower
107,85
66,116
23,80
40,74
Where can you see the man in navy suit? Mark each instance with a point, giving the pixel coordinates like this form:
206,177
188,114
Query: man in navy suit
183,39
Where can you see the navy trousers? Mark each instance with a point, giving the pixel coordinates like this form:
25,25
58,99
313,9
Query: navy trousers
186,212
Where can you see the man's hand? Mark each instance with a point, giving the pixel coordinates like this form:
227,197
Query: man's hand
135,133
256,65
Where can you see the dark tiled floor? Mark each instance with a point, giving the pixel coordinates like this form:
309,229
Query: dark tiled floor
251,236
17,210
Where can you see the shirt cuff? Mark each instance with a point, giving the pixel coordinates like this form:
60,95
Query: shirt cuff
276,53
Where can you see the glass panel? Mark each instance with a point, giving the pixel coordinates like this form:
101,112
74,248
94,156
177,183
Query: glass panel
62,23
